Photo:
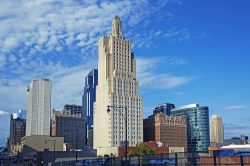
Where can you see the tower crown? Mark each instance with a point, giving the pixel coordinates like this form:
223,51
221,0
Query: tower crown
117,28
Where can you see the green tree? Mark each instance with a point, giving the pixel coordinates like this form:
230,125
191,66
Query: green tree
144,149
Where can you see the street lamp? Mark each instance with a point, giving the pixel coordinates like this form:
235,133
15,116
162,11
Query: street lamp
54,141
76,145
126,126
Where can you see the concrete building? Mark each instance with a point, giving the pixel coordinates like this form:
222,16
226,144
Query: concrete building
197,126
171,131
17,131
72,111
38,107
42,142
117,86
73,129
216,130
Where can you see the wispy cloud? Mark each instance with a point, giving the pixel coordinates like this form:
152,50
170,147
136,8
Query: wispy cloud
180,93
236,107
148,76
236,129
3,113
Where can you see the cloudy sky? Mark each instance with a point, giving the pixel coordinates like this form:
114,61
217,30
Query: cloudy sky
187,51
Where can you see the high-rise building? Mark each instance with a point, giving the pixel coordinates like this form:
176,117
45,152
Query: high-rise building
117,86
72,110
216,130
89,96
197,126
17,130
72,128
164,108
38,107
171,131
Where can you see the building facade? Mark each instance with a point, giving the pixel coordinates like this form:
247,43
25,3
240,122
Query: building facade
17,131
171,131
164,108
73,129
117,86
38,107
197,126
72,111
216,130
89,96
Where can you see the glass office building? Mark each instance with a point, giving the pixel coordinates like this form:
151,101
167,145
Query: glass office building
197,126
164,108
89,96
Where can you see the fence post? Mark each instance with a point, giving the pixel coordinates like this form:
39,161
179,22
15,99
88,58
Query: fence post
241,161
176,159
214,157
139,160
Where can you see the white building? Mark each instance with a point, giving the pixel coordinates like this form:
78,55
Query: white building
117,86
216,130
38,107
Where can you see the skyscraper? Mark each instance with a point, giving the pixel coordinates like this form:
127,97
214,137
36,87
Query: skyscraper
17,130
89,95
38,107
216,130
72,110
197,126
118,87
164,108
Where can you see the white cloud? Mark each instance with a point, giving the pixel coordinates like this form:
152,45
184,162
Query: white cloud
236,107
3,113
147,76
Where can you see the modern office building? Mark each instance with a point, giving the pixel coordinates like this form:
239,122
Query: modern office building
164,108
72,111
17,131
89,96
117,86
197,126
38,107
20,114
216,130
73,129
171,131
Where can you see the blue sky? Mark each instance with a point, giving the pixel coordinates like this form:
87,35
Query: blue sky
187,52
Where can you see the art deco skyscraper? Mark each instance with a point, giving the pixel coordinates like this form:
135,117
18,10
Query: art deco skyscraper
216,130
117,86
38,107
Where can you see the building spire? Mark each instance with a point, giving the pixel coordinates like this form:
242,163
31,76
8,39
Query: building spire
117,27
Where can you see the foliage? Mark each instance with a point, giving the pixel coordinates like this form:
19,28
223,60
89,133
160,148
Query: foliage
144,149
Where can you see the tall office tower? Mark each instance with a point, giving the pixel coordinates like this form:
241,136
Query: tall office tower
197,126
72,110
117,86
17,130
72,128
164,108
88,99
38,107
89,96
171,131
216,130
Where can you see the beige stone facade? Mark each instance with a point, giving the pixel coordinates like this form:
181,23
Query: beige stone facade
41,142
216,130
117,86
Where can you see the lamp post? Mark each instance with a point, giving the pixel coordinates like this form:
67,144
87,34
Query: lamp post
76,145
54,142
126,126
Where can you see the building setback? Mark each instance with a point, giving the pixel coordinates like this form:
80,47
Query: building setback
198,139
38,107
171,131
117,86
73,129
216,130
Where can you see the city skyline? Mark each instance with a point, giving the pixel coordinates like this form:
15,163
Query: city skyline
196,56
